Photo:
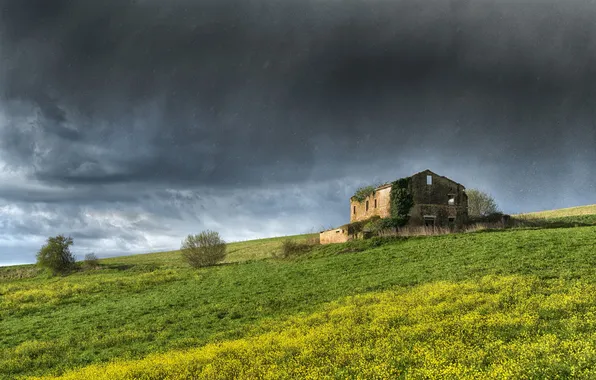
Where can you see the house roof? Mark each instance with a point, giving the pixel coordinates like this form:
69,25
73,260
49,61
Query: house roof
440,176
427,171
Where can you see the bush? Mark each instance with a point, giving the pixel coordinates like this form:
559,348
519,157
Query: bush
204,249
55,255
314,240
379,225
292,248
396,222
91,261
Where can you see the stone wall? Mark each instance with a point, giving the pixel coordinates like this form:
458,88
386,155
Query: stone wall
358,210
433,200
338,235
429,200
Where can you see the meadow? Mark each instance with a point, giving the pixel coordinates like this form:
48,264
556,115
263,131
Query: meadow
563,212
516,303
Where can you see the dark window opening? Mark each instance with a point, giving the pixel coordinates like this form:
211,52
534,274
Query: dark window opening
429,221
354,210
375,203
429,179
366,205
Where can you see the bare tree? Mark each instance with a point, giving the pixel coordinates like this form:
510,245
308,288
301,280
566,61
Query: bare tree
481,203
91,261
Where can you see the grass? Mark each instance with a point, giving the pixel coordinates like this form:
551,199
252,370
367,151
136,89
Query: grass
510,327
563,212
150,310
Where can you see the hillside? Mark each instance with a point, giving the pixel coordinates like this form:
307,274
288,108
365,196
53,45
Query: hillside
563,212
507,304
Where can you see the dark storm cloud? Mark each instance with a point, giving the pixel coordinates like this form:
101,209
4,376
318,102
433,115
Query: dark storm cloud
237,93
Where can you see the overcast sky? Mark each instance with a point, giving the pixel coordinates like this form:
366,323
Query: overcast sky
130,124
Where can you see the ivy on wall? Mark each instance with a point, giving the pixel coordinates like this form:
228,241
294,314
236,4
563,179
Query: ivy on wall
400,203
400,198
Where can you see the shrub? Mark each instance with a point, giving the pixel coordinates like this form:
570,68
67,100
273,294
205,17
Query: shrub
55,255
314,240
91,261
292,248
396,222
204,249
355,228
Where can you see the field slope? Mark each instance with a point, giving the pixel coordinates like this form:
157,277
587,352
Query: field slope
563,212
516,303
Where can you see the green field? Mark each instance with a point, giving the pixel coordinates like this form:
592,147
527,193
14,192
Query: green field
517,303
563,212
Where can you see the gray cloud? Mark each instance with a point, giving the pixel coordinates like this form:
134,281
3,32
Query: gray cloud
118,105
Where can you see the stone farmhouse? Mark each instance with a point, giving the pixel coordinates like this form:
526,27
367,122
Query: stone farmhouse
438,201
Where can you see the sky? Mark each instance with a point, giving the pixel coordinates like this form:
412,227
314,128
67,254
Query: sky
131,124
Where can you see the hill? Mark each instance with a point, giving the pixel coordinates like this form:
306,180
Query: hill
508,304
563,212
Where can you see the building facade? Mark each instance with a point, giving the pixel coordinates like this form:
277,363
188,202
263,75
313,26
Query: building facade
438,201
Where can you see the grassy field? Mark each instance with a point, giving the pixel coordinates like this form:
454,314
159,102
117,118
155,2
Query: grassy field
505,304
563,212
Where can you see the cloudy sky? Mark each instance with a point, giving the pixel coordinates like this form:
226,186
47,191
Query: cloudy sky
130,124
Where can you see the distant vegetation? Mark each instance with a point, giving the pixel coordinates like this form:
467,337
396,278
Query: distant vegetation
204,249
513,303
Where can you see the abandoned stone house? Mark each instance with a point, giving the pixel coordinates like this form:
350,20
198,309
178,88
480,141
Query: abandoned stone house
438,201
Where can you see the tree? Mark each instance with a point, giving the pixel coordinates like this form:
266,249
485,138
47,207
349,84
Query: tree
55,255
204,249
481,203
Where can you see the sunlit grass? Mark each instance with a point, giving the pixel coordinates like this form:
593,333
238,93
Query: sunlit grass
563,212
510,327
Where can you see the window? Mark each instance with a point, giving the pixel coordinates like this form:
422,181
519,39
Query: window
354,210
429,179
429,221
451,219
451,200
366,205
375,203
